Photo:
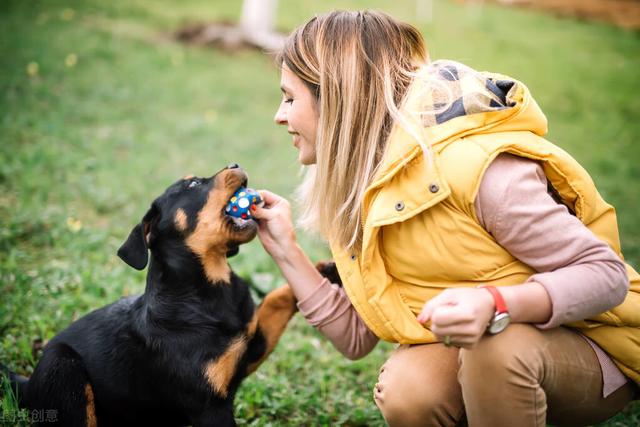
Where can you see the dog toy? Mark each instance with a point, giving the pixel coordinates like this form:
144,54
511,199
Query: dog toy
239,205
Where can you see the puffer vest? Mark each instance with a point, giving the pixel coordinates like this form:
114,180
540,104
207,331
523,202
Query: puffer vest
421,235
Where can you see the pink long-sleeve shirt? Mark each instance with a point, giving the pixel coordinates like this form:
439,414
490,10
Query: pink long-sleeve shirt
581,274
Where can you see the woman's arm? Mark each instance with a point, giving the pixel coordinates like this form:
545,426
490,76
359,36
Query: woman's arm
324,305
581,275
277,235
330,311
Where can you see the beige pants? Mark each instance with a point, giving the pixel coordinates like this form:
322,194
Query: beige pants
520,377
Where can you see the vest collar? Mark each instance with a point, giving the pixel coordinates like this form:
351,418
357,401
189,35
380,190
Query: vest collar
413,186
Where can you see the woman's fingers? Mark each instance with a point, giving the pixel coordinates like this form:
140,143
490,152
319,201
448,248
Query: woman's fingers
465,334
269,197
444,298
270,208
275,226
459,314
450,315
261,212
463,328
462,341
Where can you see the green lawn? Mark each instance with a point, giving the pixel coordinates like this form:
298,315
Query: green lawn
100,110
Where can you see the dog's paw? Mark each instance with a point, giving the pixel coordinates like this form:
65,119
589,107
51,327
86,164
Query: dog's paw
282,298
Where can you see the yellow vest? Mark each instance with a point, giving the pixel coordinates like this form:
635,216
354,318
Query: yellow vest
421,234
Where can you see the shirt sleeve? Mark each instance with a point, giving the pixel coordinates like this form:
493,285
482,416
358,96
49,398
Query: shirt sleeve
581,274
329,310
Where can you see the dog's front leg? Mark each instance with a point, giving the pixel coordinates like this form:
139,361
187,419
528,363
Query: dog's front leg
217,416
271,317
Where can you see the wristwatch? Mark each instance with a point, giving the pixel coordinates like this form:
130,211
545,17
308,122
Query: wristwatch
501,318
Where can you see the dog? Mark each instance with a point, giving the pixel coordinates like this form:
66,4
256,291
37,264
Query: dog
176,354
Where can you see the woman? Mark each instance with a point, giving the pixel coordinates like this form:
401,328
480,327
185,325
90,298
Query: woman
428,180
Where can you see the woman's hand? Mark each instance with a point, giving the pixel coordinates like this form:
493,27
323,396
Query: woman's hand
277,235
461,313
275,227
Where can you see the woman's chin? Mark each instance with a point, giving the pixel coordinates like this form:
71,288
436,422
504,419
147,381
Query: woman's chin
306,159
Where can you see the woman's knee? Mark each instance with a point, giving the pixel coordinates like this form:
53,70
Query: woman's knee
402,405
506,368
418,386
515,352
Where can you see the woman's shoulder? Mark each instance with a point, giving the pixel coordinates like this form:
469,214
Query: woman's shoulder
467,162
509,179
505,170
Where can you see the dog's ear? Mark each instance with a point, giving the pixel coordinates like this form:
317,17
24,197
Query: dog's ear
134,251
329,270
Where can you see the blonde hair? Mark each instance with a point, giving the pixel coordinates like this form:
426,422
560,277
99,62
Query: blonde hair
359,66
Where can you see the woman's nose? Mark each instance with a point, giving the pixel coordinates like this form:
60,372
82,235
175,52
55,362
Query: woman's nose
281,115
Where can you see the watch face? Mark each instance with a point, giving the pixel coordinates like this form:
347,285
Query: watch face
499,323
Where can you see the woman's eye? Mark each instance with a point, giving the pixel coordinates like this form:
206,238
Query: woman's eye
288,100
194,182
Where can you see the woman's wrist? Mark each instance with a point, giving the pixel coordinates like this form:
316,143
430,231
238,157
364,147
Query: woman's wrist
291,254
527,303
286,248
299,271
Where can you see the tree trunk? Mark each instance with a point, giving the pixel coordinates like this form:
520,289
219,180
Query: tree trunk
257,23
256,29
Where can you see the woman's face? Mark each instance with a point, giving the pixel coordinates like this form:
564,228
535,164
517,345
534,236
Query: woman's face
299,112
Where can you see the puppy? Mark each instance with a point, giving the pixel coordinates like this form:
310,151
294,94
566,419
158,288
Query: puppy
176,354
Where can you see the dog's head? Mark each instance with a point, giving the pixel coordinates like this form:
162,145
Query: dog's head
188,222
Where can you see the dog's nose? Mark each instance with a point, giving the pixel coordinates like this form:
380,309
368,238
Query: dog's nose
233,166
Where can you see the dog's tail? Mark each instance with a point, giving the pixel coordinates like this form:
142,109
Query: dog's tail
12,386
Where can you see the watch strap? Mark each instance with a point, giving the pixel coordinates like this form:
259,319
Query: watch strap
501,306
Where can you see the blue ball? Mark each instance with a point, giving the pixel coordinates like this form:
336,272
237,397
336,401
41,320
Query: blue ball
239,205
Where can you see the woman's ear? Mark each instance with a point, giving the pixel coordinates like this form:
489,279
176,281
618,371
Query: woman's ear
135,250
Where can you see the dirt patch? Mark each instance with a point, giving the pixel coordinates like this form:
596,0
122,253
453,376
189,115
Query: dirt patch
224,35
622,13
228,36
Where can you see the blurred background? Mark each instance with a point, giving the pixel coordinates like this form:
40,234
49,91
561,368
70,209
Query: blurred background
103,104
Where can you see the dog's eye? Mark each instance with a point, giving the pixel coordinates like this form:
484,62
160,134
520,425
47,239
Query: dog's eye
194,182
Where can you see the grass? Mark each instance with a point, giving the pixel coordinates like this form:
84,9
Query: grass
101,110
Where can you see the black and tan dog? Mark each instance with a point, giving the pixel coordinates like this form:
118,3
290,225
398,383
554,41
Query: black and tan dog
176,354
